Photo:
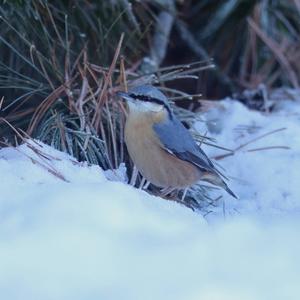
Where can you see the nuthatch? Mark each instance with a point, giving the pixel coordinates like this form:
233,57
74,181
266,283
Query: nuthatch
162,149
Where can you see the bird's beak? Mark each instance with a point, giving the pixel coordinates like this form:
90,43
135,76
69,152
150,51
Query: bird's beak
124,96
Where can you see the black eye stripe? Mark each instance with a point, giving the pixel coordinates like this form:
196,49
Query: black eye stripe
154,100
147,99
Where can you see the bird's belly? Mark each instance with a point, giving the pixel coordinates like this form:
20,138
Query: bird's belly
156,164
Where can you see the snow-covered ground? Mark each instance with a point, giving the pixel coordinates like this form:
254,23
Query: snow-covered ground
265,174
87,237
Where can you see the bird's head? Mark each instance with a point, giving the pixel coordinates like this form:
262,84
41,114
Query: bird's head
146,99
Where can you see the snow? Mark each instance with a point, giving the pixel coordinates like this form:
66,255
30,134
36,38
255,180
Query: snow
72,231
267,181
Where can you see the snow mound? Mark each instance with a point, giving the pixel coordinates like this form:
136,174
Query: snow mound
263,173
71,231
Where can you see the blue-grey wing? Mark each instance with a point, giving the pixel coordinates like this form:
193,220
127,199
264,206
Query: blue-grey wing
178,140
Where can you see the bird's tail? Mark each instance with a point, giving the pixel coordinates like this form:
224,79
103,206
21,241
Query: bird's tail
216,179
228,190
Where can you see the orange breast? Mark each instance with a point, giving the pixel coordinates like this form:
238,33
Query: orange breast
156,164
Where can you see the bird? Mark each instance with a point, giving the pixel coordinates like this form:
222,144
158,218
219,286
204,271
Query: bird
161,147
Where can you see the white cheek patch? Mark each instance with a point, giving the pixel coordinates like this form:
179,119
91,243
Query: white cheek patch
142,106
150,106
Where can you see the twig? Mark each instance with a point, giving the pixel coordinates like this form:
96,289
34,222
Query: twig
96,117
218,157
46,166
1,102
275,48
193,44
160,40
129,12
269,148
134,176
163,28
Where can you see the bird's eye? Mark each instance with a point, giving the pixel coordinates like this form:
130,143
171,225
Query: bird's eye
158,103
146,98
141,97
